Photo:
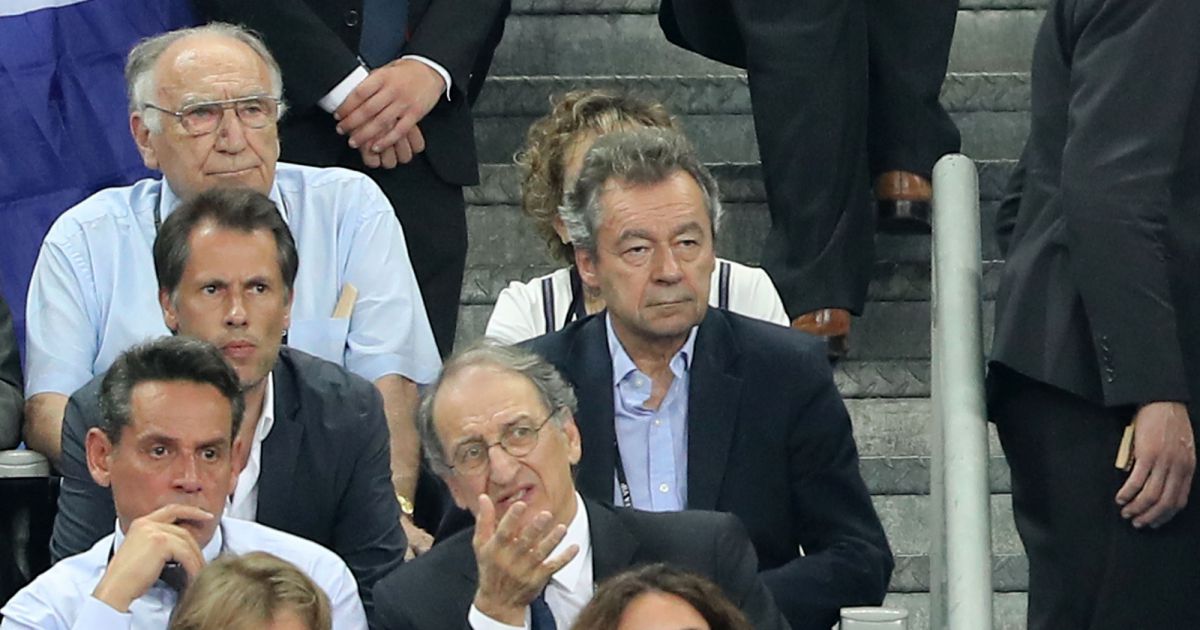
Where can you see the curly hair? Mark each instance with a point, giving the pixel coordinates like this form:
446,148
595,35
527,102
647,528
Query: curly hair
542,161
615,595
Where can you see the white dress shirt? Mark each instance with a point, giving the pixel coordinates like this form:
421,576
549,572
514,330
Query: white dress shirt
244,502
62,596
334,98
570,588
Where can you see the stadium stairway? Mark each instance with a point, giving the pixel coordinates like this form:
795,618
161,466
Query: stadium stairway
551,46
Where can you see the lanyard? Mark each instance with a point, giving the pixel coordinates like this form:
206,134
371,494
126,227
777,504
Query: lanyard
578,308
622,482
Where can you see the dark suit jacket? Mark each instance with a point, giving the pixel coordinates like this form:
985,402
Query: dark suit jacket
705,27
325,470
769,440
12,400
1100,293
316,44
435,591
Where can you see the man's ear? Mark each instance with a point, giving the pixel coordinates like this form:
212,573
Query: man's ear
585,262
170,316
99,456
574,442
141,136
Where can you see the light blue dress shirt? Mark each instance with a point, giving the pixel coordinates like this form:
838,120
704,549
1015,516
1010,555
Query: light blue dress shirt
94,293
61,598
652,443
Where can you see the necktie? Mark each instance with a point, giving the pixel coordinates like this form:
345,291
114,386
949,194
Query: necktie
383,31
540,617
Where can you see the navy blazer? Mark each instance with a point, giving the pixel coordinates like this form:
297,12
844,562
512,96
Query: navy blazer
435,591
325,474
769,440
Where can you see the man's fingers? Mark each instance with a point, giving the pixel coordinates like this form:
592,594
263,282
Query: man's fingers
551,566
370,159
509,524
416,139
359,95
175,512
1133,485
383,116
404,153
1148,496
545,546
388,158
485,521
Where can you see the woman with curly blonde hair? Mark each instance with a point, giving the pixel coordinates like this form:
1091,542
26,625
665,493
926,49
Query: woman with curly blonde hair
253,591
555,147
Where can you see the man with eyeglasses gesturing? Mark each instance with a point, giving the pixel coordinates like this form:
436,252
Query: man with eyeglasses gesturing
498,426
204,103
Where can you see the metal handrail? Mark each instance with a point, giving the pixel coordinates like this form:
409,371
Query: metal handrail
961,554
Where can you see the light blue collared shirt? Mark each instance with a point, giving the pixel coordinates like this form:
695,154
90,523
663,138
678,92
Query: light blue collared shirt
61,598
94,293
653,443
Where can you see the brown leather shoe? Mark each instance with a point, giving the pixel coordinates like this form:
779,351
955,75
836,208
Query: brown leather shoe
902,203
831,323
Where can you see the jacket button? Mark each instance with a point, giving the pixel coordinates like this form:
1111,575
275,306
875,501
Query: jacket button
351,18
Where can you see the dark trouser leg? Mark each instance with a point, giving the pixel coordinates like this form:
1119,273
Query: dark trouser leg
1088,568
807,66
909,48
433,214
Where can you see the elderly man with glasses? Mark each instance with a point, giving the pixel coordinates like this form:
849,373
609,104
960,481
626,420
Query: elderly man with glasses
204,105
498,426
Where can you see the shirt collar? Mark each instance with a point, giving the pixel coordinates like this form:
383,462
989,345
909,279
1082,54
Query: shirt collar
578,533
266,419
210,551
623,364
168,200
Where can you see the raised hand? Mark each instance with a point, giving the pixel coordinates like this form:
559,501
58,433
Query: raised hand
152,541
514,559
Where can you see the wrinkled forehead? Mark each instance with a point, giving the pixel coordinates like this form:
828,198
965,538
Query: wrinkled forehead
480,401
210,67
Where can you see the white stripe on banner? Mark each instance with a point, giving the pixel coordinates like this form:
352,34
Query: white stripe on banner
9,8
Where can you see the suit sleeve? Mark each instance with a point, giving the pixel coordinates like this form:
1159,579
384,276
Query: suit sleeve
368,535
456,33
11,400
848,561
737,570
85,509
1133,72
312,56
1009,207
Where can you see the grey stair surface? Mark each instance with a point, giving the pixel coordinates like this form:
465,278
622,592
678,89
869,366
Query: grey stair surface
551,46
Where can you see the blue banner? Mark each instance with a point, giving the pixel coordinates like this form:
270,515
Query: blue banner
64,122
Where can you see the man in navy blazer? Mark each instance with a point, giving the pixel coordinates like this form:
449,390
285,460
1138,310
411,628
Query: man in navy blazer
683,406
313,447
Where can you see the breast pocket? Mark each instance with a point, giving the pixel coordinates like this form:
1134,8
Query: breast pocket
322,337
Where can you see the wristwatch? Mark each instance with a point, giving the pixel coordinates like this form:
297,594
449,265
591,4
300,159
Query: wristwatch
406,506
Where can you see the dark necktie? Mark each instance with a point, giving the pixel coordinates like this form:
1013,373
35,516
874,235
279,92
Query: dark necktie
540,617
383,31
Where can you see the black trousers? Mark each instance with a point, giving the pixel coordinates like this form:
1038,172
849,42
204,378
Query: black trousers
840,90
1088,567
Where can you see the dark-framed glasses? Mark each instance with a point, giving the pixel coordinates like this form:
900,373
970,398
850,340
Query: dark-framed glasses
518,440
198,119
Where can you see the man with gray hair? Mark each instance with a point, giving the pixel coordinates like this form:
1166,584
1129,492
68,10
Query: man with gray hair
687,407
498,425
204,103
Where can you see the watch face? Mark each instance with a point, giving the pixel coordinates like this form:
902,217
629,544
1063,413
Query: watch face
406,506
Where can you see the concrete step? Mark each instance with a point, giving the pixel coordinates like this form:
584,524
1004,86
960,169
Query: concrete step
1008,610
610,39
906,520
893,445
555,7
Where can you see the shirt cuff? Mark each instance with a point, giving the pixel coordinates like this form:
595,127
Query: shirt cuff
480,621
333,100
96,614
437,67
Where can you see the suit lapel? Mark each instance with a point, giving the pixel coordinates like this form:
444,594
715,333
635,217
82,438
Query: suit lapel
591,373
613,545
281,449
714,391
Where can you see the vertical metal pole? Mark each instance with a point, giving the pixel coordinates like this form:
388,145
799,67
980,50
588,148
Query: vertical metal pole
960,447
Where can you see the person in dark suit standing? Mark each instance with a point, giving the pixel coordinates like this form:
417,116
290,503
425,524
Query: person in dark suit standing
498,426
313,445
386,87
11,400
1098,318
687,406
855,85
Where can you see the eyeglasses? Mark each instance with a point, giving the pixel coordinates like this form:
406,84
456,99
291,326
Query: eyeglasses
518,440
198,119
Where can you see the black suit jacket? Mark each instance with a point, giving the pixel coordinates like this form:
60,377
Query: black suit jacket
325,472
705,27
316,44
1100,293
769,440
435,591
11,399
